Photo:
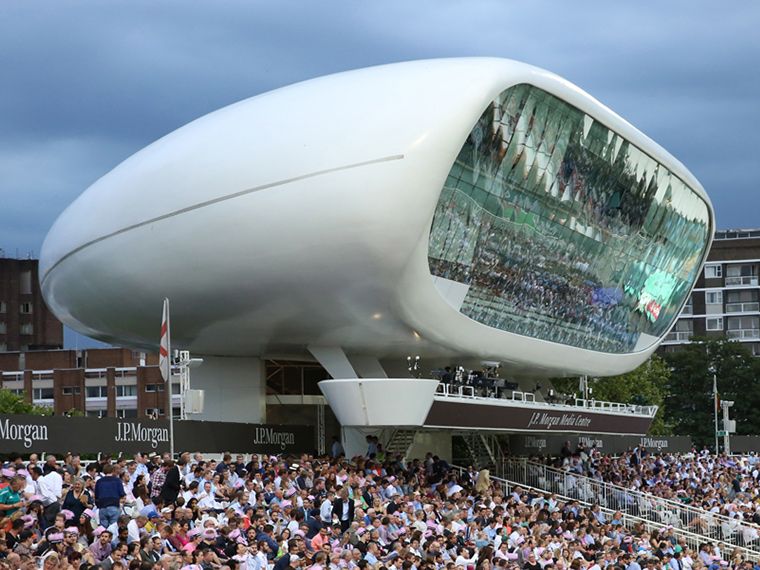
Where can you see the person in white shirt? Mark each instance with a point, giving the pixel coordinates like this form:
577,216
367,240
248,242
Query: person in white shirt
207,499
51,488
192,492
325,509
134,528
261,561
33,482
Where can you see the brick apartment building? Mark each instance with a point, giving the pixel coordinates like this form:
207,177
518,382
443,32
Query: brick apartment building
103,382
726,299
25,321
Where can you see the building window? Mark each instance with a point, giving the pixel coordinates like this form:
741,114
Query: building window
741,270
25,282
18,391
97,391
714,297
96,413
177,412
154,387
175,389
714,324
743,327
131,413
2,328
42,393
713,271
522,215
2,307
71,390
154,413
26,308
126,391
26,328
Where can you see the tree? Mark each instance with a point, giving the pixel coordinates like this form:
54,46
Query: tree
690,403
11,403
645,386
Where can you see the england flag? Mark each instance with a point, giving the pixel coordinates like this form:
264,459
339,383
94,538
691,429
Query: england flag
164,361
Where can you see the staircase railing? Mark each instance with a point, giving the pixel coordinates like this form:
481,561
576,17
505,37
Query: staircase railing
630,521
400,441
710,526
484,447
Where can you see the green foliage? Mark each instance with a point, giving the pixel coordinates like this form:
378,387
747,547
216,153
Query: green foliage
11,403
646,386
689,401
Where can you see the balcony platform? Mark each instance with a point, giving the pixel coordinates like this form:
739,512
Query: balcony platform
386,402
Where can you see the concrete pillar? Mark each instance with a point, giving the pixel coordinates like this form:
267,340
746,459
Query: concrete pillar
111,392
28,386
68,379
235,389
436,442
334,360
354,440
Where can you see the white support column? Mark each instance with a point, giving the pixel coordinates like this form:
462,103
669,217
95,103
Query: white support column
368,367
334,360
438,443
354,439
235,389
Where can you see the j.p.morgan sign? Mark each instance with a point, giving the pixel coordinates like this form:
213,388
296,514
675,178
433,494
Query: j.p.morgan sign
57,434
268,436
136,432
22,432
246,437
551,444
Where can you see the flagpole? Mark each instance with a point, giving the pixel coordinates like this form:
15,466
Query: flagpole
169,377
715,409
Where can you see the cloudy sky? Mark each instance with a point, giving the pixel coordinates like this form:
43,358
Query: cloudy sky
87,83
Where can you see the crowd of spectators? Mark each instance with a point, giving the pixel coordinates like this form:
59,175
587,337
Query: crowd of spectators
719,485
313,513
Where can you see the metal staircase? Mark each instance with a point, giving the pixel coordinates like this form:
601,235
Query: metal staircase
401,441
485,451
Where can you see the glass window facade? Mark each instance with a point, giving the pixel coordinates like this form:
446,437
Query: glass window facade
563,230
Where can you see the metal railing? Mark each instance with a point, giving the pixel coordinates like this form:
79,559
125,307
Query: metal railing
516,396
748,307
743,281
631,521
454,391
694,520
679,336
743,333
600,405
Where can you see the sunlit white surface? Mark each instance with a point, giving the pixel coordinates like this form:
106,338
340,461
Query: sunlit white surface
378,402
301,217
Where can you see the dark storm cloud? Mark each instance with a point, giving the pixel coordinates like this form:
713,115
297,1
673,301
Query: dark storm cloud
85,84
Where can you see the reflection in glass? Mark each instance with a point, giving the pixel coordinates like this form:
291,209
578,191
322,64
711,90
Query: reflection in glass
563,230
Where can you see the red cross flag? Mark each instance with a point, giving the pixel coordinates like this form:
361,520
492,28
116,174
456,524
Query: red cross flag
164,361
